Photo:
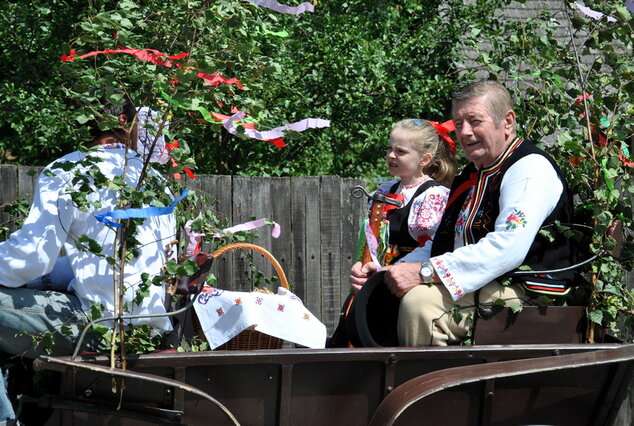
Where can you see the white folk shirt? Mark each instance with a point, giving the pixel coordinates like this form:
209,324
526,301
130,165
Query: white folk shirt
529,192
54,223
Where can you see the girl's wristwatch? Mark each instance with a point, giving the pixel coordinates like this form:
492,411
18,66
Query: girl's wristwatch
426,272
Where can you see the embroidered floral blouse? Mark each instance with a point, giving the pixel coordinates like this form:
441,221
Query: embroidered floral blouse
424,216
529,192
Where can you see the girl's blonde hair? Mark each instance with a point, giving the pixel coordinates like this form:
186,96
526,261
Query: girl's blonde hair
425,139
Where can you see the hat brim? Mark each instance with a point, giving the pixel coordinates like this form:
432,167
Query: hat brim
373,315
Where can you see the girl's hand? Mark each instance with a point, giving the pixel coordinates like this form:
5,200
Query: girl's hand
360,273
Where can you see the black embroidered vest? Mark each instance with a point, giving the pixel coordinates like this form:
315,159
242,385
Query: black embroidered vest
543,254
400,238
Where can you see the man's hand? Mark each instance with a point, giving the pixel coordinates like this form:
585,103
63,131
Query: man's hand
402,277
360,273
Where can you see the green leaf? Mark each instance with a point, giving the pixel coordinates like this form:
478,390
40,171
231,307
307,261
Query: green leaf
596,317
515,308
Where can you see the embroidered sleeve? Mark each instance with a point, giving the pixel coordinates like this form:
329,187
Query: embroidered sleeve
449,281
427,211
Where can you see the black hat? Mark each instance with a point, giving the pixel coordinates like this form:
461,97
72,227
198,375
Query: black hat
373,316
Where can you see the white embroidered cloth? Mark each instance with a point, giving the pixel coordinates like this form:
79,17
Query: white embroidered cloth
224,314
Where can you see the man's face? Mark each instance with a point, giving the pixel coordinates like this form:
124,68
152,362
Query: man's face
482,138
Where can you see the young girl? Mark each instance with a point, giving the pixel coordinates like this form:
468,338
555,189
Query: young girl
420,153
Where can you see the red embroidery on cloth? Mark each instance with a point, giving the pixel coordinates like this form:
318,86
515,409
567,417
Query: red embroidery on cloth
446,277
429,211
515,219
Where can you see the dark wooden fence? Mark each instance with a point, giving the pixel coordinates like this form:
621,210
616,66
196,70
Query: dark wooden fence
318,217
319,220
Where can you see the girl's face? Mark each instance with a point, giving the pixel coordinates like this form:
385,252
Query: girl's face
402,159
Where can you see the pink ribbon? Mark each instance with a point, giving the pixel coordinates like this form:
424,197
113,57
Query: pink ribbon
282,8
277,132
254,224
373,244
593,13
195,238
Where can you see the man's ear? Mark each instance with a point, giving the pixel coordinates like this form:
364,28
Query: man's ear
123,119
509,121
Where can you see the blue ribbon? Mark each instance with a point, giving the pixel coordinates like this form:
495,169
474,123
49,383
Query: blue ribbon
138,213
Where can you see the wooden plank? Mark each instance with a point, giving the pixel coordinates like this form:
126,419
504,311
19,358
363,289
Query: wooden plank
261,194
310,189
547,324
297,274
330,253
27,177
8,192
216,191
280,205
242,211
353,210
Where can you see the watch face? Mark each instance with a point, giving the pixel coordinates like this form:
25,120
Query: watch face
426,272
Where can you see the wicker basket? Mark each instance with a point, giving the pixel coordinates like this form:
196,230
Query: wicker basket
251,339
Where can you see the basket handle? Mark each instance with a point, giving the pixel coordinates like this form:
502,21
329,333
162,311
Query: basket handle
259,249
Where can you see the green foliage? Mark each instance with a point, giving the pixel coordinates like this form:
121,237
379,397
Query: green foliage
573,80
33,126
16,212
362,64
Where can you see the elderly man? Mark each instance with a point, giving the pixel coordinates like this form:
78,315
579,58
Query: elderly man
497,206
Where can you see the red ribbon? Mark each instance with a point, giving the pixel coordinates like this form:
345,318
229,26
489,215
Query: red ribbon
155,57
397,197
443,130
626,161
170,147
473,179
147,55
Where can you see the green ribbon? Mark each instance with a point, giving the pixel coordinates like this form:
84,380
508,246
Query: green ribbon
282,33
203,111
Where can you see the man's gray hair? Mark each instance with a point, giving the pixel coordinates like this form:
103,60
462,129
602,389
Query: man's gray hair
500,101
